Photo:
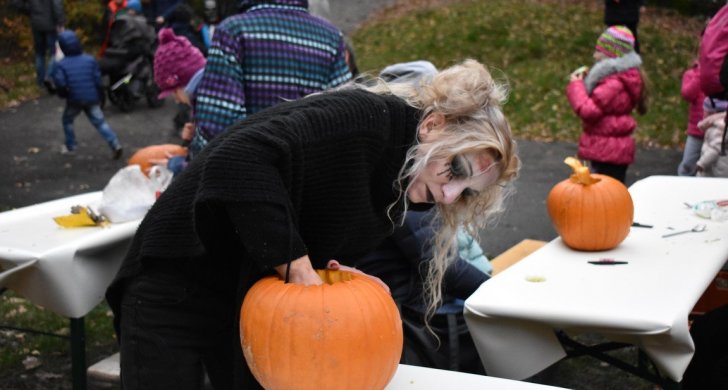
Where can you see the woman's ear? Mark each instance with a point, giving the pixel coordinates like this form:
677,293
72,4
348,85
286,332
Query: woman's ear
431,126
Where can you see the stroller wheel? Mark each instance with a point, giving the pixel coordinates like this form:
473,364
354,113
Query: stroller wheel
125,102
113,97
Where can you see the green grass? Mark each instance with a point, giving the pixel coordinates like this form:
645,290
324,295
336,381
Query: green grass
18,76
16,345
534,45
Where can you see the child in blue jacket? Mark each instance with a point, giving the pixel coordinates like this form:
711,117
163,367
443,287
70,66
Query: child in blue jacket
77,78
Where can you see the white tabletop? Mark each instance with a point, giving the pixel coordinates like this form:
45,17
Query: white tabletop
645,302
421,378
64,270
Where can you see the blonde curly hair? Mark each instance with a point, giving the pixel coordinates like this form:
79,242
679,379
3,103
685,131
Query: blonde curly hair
469,100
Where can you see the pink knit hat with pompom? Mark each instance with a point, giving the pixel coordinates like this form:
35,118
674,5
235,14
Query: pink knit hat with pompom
175,62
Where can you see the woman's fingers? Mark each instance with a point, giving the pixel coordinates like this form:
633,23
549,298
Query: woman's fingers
336,266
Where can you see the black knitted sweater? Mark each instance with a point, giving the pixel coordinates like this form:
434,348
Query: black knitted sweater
314,176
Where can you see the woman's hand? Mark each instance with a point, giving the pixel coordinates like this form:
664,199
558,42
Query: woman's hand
334,265
301,272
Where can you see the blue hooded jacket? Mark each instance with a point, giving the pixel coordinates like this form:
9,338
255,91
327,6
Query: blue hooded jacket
77,76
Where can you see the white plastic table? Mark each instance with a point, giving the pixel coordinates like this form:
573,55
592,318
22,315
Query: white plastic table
420,378
63,270
645,302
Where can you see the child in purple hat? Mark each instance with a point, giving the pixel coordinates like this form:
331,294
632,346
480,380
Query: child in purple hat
176,62
178,68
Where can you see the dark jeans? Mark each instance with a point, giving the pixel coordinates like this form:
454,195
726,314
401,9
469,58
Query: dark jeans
44,43
617,171
173,328
95,116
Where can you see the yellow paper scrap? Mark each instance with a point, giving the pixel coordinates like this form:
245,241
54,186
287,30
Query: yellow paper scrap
75,220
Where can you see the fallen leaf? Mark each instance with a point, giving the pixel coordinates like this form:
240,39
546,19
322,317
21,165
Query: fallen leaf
47,375
31,362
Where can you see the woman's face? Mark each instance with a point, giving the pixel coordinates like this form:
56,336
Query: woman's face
445,180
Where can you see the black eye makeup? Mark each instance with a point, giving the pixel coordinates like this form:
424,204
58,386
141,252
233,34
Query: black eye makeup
468,192
460,168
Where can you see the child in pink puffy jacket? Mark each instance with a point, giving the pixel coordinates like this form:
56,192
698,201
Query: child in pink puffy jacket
691,92
604,98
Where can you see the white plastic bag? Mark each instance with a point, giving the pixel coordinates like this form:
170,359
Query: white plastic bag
59,53
129,194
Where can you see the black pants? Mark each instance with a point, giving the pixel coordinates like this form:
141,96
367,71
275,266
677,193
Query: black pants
173,328
617,171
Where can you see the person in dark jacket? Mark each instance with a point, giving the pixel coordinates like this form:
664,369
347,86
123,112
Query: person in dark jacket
624,13
400,262
110,11
180,20
296,187
46,21
77,78
160,10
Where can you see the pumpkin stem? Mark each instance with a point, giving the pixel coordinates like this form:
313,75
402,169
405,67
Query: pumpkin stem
581,173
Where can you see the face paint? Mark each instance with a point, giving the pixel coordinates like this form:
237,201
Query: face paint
445,181
468,177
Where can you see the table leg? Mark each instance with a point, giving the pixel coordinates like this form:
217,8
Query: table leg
574,348
78,353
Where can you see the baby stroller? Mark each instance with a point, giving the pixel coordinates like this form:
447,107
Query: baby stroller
127,64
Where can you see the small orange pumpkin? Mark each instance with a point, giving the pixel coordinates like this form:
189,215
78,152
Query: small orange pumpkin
144,156
591,212
343,334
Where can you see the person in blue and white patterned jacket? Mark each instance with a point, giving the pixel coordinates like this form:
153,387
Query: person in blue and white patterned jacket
271,52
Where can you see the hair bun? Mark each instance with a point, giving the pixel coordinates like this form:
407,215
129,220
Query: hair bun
464,89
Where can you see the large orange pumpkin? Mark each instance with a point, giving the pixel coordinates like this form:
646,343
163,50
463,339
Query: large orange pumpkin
591,212
144,156
344,334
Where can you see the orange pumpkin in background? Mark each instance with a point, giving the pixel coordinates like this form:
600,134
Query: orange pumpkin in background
591,212
343,334
144,156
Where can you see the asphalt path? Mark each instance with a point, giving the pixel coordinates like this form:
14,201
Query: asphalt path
33,170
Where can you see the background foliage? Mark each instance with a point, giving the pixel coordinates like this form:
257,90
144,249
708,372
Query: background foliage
534,46
82,16
17,80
